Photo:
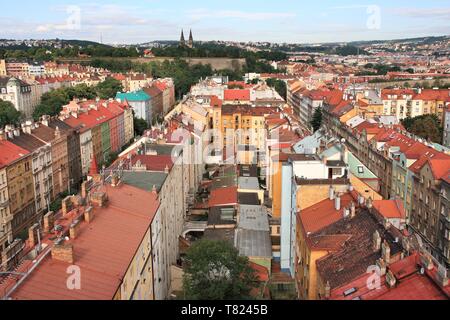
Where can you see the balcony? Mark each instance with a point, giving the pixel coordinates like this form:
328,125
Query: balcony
4,203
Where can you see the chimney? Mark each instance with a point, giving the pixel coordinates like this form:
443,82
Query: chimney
390,279
99,198
386,252
442,276
352,210
154,190
426,261
49,222
57,133
66,205
381,264
331,193
89,214
327,290
63,252
115,181
376,241
369,203
166,170
2,135
33,235
74,229
337,203
346,213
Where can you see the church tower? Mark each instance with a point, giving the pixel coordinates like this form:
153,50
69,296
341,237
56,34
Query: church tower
182,40
191,40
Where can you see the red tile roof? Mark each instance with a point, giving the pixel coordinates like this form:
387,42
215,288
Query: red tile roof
410,285
237,94
223,197
154,162
9,153
103,250
390,209
323,213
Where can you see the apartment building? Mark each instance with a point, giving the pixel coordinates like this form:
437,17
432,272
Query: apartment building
141,103
41,167
19,200
19,93
105,127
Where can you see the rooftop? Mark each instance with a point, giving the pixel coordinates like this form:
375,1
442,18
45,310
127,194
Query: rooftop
145,180
253,218
252,243
103,250
248,183
356,253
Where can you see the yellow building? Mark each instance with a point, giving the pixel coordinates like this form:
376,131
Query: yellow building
2,68
18,189
5,216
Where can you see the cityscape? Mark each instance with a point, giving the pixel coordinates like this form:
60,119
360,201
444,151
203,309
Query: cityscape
203,162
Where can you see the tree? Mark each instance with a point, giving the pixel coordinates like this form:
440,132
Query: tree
140,125
279,85
9,114
316,121
109,88
425,126
215,271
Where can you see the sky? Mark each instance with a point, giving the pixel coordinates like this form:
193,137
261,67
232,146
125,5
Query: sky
291,21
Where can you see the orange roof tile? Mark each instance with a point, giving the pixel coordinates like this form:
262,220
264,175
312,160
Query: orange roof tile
390,208
237,94
103,250
9,153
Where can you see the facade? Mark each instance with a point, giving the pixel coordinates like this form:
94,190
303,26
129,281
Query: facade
18,93
19,207
104,126
141,103
426,217
446,138
157,99
41,167
73,150
6,235
57,139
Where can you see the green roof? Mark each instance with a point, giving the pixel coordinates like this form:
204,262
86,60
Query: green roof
145,180
133,96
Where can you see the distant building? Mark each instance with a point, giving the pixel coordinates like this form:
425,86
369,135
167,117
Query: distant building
188,44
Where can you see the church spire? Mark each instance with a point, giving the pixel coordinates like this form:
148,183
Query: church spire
191,40
182,40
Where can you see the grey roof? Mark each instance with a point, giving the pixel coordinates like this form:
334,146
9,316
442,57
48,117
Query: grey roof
145,180
253,218
248,198
215,216
251,243
248,171
161,149
248,183
220,235
224,182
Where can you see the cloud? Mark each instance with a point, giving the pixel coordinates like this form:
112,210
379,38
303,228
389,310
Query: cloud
199,14
438,13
